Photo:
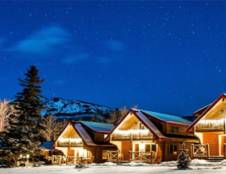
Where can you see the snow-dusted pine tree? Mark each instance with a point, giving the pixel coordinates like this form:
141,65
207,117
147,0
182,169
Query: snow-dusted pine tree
26,129
183,160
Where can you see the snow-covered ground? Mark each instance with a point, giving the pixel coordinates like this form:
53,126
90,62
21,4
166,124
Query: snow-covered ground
197,167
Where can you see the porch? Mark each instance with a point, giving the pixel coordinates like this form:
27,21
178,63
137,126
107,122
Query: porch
136,156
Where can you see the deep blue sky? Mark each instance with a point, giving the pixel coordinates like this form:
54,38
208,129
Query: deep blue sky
168,57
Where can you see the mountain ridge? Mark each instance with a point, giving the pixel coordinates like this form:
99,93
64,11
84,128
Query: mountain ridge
72,109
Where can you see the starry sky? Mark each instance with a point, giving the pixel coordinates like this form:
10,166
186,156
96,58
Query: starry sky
162,56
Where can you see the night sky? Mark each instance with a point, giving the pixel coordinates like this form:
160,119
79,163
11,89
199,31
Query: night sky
168,57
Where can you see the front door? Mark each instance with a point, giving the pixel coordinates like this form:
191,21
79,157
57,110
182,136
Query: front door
70,155
126,150
212,139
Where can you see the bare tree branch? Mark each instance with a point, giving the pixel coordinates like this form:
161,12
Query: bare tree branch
5,111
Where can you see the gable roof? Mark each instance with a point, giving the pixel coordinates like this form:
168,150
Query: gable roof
149,124
83,134
144,120
98,127
167,117
207,109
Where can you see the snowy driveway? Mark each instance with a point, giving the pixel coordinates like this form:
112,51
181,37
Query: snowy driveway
197,167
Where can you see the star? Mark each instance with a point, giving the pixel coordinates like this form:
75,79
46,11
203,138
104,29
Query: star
218,69
30,14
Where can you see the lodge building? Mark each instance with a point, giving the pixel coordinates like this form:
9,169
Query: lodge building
84,141
150,136
147,136
210,127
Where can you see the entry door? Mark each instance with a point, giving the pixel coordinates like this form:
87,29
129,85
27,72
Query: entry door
126,149
70,152
212,139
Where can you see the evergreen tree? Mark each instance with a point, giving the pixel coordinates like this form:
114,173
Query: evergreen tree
183,160
26,129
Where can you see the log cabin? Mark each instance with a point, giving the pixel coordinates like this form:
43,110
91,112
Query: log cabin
84,142
210,127
151,137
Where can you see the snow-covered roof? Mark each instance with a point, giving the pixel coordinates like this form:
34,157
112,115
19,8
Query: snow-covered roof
166,117
98,127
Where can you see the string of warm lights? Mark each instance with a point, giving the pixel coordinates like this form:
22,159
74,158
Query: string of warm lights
211,123
143,132
70,140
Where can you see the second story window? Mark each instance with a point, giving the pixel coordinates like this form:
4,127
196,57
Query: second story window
174,129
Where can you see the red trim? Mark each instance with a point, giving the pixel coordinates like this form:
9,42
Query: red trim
73,125
206,110
200,110
150,128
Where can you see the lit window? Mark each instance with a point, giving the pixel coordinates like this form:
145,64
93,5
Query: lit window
172,148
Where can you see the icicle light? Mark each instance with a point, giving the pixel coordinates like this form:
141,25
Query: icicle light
143,132
211,123
70,140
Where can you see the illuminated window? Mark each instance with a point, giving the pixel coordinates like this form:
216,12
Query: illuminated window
172,148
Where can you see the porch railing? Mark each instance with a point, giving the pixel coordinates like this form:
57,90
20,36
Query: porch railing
115,156
143,156
58,159
200,150
112,156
